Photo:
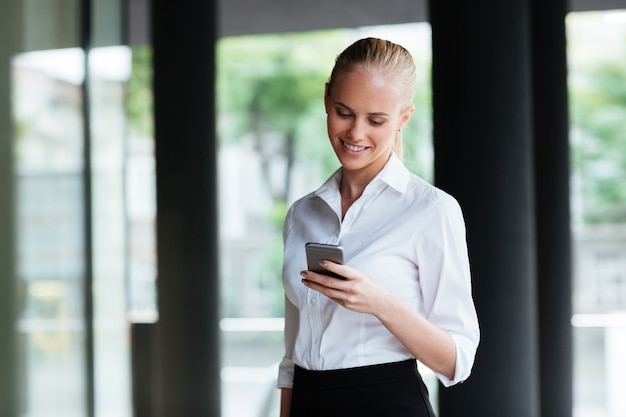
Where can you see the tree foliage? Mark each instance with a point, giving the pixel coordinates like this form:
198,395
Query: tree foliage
139,102
270,92
598,112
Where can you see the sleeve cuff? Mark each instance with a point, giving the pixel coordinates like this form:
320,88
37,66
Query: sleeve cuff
465,352
285,373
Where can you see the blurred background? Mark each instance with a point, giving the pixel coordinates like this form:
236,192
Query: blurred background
75,208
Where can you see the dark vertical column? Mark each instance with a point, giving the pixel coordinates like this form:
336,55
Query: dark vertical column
88,279
9,384
550,105
143,369
483,156
184,35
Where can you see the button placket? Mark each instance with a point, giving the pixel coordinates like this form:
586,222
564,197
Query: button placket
316,326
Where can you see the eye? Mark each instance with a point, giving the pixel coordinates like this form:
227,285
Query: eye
343,114
377,122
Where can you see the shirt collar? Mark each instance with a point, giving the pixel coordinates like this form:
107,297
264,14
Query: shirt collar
393,174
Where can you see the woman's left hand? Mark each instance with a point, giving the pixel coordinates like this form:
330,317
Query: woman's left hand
357,292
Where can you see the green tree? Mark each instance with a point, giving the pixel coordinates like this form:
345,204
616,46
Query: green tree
270,96
139,102
598,113
270,91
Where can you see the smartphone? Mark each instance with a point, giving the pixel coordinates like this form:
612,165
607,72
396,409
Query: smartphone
316,252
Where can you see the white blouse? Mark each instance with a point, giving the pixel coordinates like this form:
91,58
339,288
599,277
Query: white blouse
404,233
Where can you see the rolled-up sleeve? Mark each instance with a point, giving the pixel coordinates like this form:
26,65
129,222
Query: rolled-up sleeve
446,285
286,366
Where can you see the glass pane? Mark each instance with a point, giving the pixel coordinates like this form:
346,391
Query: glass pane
47,105
274,149
109,69
597,80
141,190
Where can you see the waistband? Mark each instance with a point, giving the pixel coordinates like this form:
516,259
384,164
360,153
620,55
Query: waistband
354,377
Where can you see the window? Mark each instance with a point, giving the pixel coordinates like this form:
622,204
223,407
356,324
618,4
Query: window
48,112
597,84
50,266
67,165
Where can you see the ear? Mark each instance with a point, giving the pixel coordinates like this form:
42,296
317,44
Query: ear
406,116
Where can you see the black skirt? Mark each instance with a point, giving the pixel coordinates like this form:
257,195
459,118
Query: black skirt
393,389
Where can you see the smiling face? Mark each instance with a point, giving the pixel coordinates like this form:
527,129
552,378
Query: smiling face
364,114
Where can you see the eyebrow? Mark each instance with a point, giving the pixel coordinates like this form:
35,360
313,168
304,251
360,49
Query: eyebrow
379,114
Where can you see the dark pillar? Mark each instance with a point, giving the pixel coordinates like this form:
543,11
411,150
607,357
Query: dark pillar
143,372
550,114
88,251
9,383
483,156
8,293
184,35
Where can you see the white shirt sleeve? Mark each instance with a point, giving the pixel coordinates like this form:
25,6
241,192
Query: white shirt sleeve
446,285
286,367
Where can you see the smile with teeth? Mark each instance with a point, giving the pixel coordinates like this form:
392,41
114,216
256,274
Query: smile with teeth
354,148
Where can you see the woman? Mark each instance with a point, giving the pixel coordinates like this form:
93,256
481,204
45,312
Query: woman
351,344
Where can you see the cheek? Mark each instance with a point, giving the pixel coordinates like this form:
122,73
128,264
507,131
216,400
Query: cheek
334,124
384,135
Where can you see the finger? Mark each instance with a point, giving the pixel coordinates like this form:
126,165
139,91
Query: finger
312,278
332,293
322,280
343,271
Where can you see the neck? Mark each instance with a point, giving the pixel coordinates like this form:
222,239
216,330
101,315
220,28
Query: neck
351,187
352,184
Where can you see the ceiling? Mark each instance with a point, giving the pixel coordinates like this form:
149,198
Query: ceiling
245,17
261,16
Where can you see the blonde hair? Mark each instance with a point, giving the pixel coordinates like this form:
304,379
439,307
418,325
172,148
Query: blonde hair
379,54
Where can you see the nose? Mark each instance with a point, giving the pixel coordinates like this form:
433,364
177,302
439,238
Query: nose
355,131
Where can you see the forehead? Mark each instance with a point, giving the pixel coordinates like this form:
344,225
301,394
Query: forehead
371,88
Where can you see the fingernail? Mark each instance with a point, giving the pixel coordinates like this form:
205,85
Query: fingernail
323,263
305,281
303,273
